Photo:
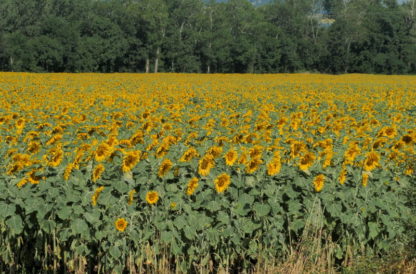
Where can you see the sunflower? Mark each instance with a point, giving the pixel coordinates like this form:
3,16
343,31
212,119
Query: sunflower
407,139
121,224
222,182
33,178
103,152
205,165
131,196
365,179
319,182
275,165
96,194
306,161
379,143
188,155
230,157
16,167
68,171
162,150
351,153
256,151
389,132
33,147
130,160
371,161
164,167
20,124
342,176
54,139
328,157
296,148
137,138
253,165
98,171
215,151
152,197
22,182
192,185
55,157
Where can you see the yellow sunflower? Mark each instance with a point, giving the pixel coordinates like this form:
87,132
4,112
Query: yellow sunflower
33,178
164,167
253,165
22,182
98,171
343,176
319,182
215,151
365,179
306,161
275,165
130,160
55,157
68,171
103,152
230,157
121,224
94,197
222,182
188,155
152,197
407,139
192,185
371,161
206,163
33,147
131,196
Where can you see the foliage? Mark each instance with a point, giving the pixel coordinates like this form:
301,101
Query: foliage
97,170
208,36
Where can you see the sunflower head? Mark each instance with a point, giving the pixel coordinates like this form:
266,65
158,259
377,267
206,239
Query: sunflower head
131,196
103,151
343,176
121,224
98,171
319,182
371,161
222,182
275,165
152,197
253,165
130,160
192,185
94,197
205,165
188,155
407,139
230,157
365,179
306,161
164,167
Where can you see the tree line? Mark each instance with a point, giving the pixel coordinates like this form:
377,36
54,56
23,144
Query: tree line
330,36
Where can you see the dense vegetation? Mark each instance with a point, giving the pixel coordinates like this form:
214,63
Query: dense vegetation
104,173
332,36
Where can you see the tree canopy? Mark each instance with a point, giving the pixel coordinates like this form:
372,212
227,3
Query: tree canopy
330,36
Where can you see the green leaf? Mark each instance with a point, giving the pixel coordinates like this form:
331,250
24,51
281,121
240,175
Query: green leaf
6,210
64,213
261,210
80,227
373,230
15,224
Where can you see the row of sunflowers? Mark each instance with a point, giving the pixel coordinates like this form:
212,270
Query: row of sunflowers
208,168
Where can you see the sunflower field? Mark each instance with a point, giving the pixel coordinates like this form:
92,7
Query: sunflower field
113,172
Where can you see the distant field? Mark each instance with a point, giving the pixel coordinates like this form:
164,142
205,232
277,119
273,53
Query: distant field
165,172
